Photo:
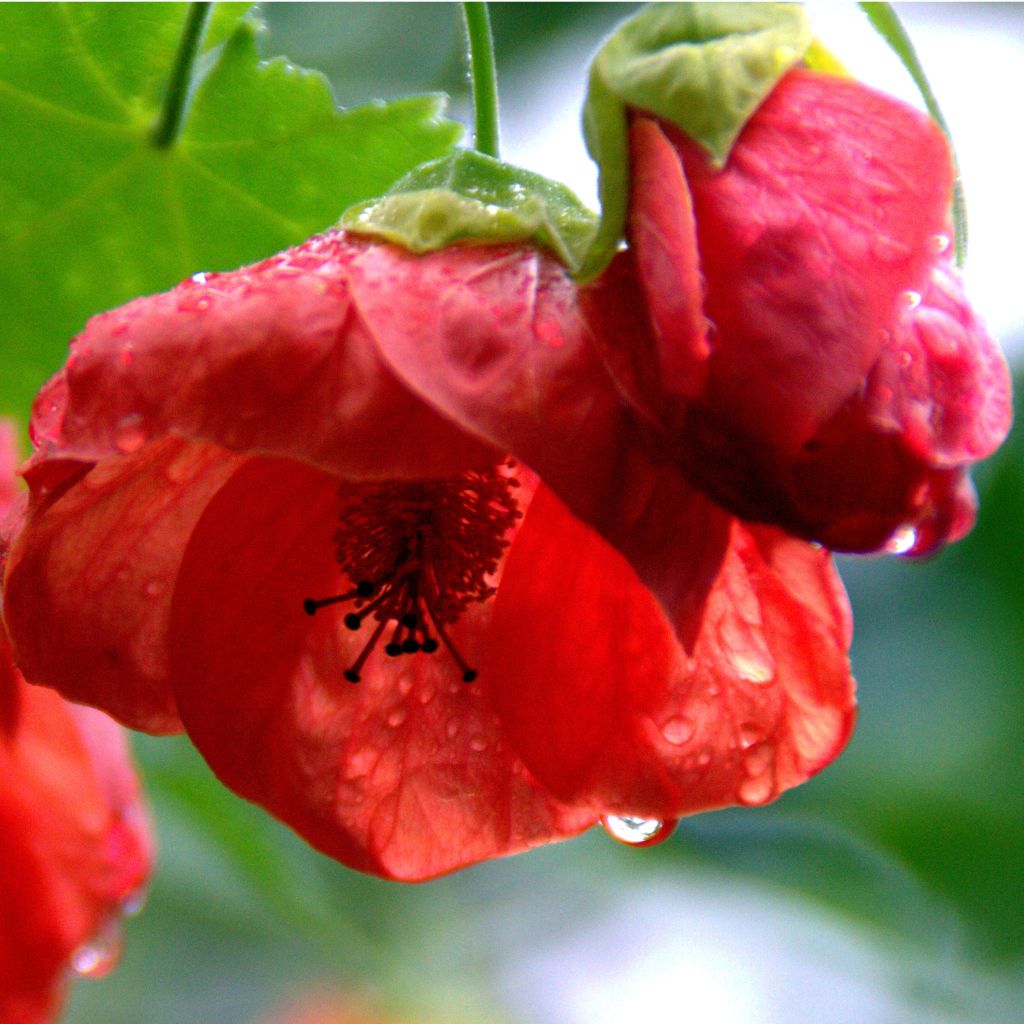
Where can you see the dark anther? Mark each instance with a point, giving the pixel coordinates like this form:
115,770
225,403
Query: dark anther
410,620
469,675
353,621
309,606
410,645
429,645
392,650
351,676
365,588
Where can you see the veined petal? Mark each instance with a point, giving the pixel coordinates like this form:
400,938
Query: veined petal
271,359
821,219
90,577
606,707
405,774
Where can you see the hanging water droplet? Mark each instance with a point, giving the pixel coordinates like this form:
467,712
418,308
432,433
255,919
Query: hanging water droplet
678,730
910,299
99,956
638,831
134,902
130,434
902,540
756,791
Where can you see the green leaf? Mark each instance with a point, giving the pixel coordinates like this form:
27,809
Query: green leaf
94,214
704,67
470,197
886,23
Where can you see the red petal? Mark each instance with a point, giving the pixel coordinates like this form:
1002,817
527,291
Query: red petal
823,215
607,708
405,774
663,231
74,843
95,566
270,358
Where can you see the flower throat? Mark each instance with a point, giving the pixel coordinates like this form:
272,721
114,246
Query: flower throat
418,555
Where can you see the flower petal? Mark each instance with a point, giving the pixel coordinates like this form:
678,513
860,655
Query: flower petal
822,217
271,358
607,708
95,565
74,842
405,774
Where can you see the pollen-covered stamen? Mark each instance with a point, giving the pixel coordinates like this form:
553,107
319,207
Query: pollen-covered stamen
423,552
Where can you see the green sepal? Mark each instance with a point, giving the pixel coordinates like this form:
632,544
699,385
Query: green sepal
704,67
468,197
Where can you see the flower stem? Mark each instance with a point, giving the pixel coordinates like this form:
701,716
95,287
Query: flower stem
483,77
166,129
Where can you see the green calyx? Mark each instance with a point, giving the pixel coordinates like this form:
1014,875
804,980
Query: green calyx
704,67
470,198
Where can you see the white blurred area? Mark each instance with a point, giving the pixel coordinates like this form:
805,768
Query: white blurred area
973,55
699,949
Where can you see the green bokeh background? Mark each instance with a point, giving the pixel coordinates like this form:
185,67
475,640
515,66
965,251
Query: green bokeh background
915,837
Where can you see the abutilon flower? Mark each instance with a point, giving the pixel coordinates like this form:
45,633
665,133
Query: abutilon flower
378,531
815,360
74,839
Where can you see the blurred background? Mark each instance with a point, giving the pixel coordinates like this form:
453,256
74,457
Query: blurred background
887,890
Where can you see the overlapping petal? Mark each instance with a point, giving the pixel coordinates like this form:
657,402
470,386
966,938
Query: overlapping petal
837,327
192,461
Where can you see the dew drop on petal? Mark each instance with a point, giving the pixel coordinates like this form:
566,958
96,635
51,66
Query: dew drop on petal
910,299
938,243
478,743
130,434
198,278
451,730
427,694
902,540
752,667
153,588
99,956
396,716
755,791
638,831
750,734
678,730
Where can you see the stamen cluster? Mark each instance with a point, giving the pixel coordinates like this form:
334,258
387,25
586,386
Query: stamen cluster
418,554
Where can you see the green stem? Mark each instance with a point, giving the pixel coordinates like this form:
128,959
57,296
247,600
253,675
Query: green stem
483,76
166,129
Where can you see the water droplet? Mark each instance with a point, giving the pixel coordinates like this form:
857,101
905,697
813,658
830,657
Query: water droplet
130,434
910,299
451,730
427,694
759,759
478,743
756,791
199,277
396,716
134,902
750,734
404,685
678,730
153,588
99,956
902,540
939,243
638,831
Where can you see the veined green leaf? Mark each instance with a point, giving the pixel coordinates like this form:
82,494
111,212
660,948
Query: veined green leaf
94,214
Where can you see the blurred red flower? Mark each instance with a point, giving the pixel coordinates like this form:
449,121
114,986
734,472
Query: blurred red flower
814,357
74,840
327,432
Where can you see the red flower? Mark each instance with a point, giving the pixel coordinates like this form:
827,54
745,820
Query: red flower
326,432
815,355
74,843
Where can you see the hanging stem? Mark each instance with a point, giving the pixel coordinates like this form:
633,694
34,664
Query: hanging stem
483,76
169,124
